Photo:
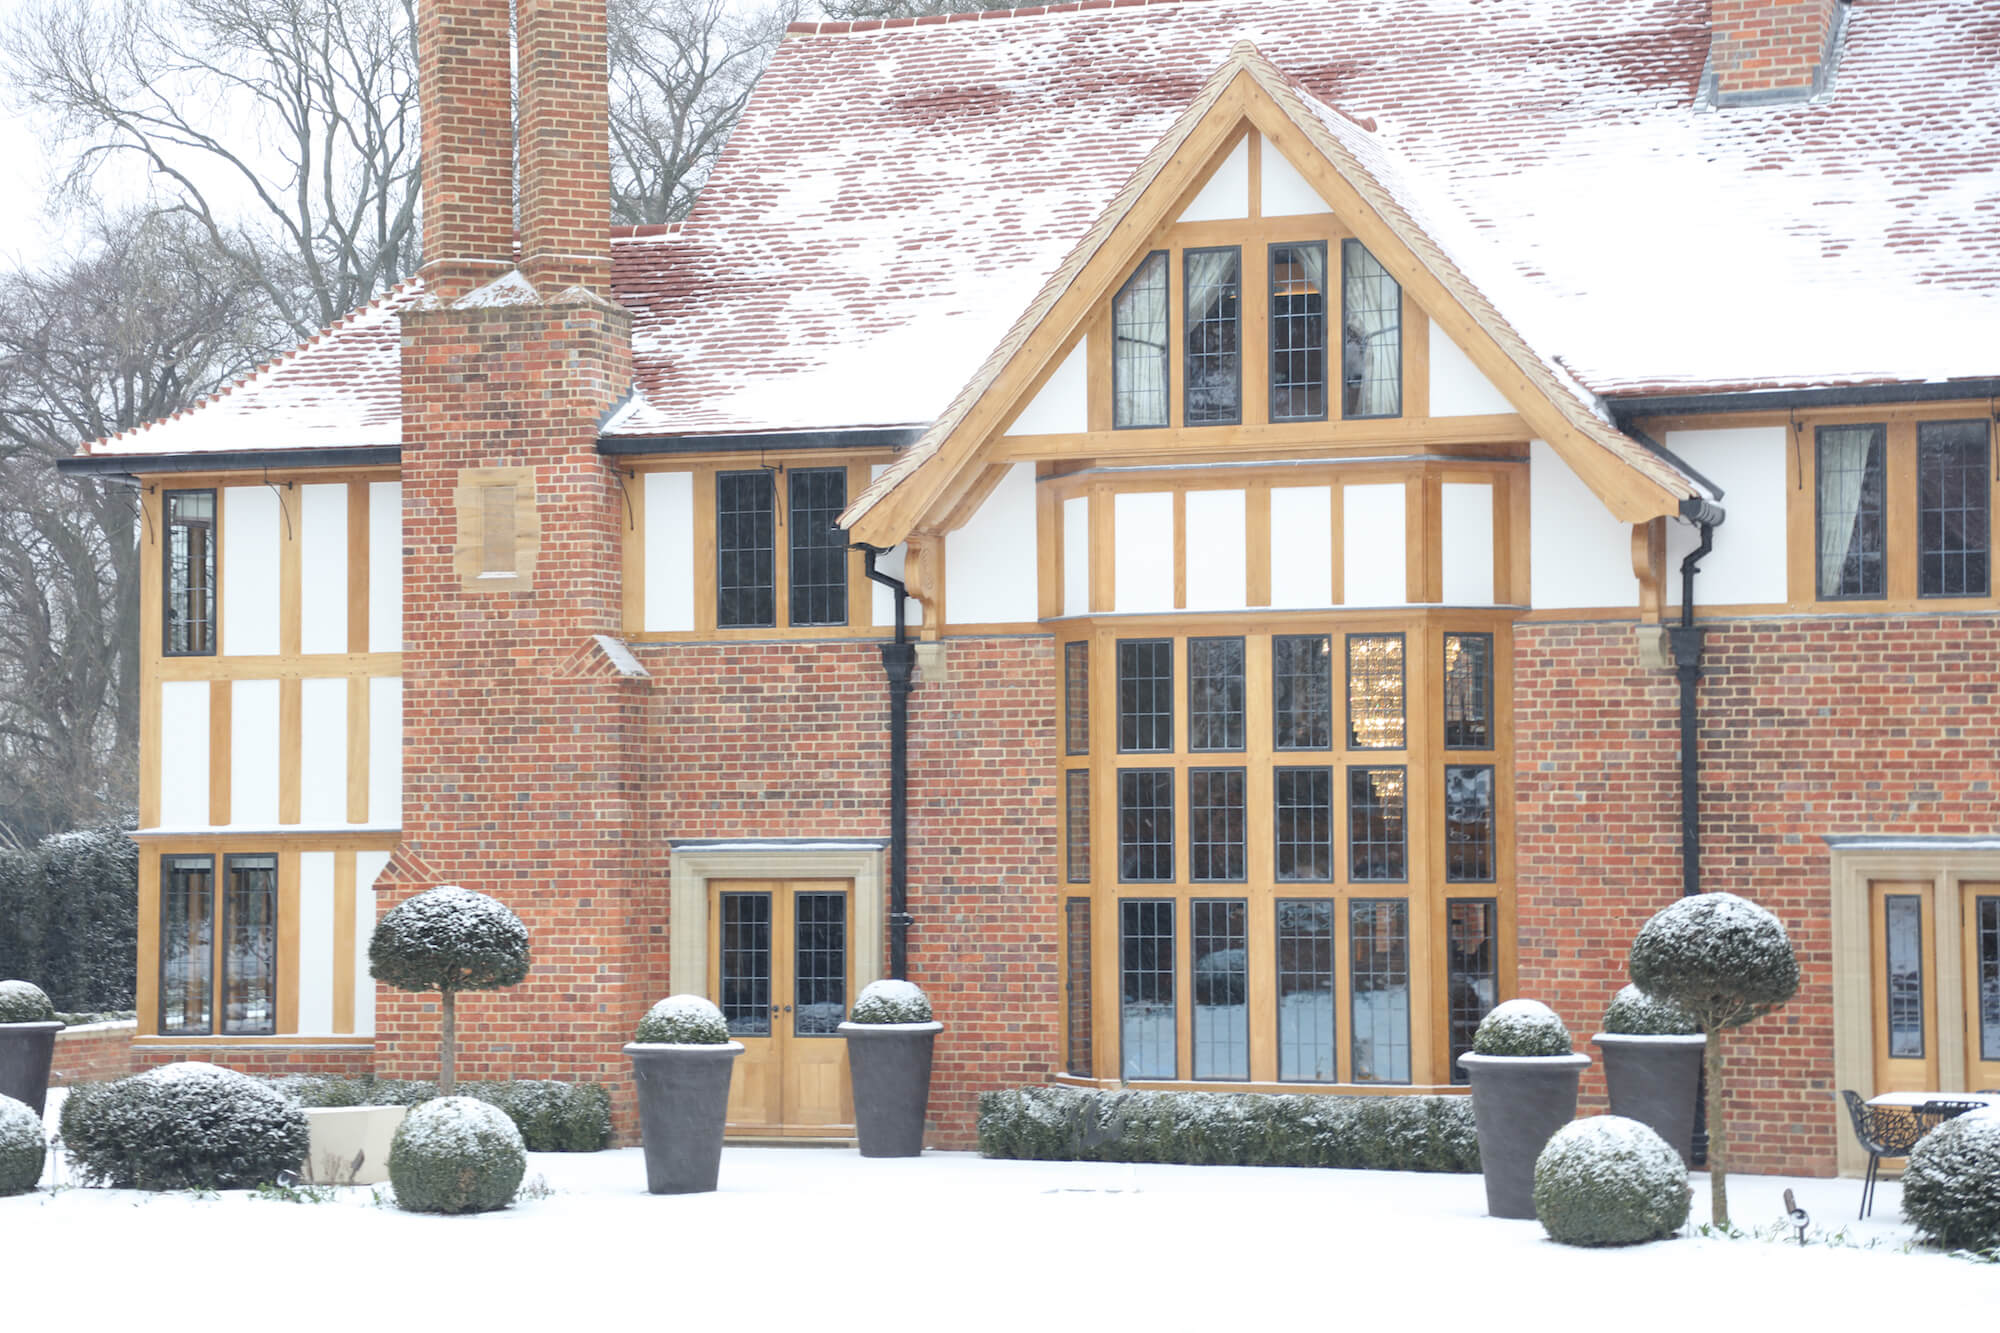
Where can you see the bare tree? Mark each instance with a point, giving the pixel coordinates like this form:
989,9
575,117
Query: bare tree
901,9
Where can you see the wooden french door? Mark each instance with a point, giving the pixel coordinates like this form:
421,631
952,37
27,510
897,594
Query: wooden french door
1982,984
1903,949
781,968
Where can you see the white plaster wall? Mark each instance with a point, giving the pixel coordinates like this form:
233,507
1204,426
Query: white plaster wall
1578,554
1286,192
323,568
253,753
184,754
1217,577
251,523
990,563
323,753
1063,405
385,751
1374,560
1459,388
1301,543
1076,555
1747,566
1467,520
1142,568
385,567
367,865
1227,193
669,551
316,928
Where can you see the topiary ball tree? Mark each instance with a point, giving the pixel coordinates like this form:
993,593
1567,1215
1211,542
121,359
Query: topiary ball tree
448,940
1724,961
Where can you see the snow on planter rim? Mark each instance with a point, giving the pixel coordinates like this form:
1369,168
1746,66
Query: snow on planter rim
632,1046
864,1028
1652,1038
1471,1058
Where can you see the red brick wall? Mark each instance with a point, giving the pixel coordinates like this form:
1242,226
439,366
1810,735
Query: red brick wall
96,1053
1767,45
1832,725
347,1061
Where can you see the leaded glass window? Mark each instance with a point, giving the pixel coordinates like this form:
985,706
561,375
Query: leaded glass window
1468,822
1305,990
1468,691
745,963
1302,692
1145,695
819,965
1375,830
1076,697
1954,495
1220,946
1076,804
1215,694
1986,943
1904,947
187,944
1146,825
1375,691
1215,824
189,621
1214,301
1298,332
1076,986
250,946
746,592
1147,1025
1378,933
1303,823
1851,467
1371,354
1472,971
1139,346
819,548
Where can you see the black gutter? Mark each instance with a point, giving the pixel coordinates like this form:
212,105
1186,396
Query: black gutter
899,662
1624,410
231,460
874,437
1686,638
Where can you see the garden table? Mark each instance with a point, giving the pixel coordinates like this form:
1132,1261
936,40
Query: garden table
1911,1101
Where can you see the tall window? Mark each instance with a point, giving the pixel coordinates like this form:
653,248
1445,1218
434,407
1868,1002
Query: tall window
1215,694
190,573
1076,697
1468,822
1219,940
1076,806
1214,305
1147,1024
1371,353
1139,346
1472,971
1146,825
187,945
1215,824
1850,467
1298,332
1375,691
1302,692
819,547
1954,495
1904,948
1076,985
250,946
1375,843
746,589
1378,933
1305,990
1145,695
1468,691
1303,827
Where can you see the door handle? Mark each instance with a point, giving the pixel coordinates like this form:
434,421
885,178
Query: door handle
788,1008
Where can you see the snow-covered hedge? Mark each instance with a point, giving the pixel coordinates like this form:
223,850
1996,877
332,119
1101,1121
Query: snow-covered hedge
1951,1185
1722,958
182,1126
683,1020
69,917
1521,1027
1633,1013
889,1001
1610,1181
22,1147
1053,1123
552,1116
456,1155
24,1002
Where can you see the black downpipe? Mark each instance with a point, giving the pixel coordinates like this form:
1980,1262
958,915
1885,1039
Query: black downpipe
899,664
1687,644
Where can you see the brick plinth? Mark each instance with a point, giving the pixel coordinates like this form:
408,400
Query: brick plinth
93,1053
346,1061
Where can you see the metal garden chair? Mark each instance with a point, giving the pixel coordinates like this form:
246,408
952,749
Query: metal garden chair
1934,1113
1883,1134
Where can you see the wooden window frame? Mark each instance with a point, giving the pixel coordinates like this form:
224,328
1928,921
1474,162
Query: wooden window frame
167,523
225,918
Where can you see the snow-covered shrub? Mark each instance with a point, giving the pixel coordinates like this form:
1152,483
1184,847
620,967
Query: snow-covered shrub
552,1116
683,1020
1610,1181
69,917
1633,1013
889,1001
1951,1185
23,1147
182,1126
448,940
24,1002
456,1155
1521,1027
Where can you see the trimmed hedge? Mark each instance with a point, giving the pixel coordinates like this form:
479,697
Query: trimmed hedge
69,918
456,1155
182,1126
1607,1180
552,1116
1059,1124
23,1148
1951,1185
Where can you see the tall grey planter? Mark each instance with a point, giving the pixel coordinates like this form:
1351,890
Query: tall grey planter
1518,1103
27,1050
683,1107
1655,1081
891,1067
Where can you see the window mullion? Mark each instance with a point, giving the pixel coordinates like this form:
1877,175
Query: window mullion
1899,499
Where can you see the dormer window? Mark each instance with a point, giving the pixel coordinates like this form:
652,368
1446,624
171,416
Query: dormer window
1371,354
1214,286
1139,346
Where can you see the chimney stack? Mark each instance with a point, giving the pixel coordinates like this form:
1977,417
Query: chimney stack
465,96
1771,50
565,146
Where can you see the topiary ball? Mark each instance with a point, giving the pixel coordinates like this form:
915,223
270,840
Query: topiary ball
1722,958
23,1147
449,938
1610,1181
1521,1027
1633,1013
456,1155
683,1020
1951,1184
24,1002
183,1126
889,1001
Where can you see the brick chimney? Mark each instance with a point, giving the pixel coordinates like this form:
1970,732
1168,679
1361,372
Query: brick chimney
565,146
1772,50
465,97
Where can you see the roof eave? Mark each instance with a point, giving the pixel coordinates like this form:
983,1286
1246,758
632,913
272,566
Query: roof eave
231,460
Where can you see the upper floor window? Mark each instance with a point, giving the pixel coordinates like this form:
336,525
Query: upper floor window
1371,355
1214,305
819,547
1851,467
746,564
190,572
1139,346
1954,497
1298,332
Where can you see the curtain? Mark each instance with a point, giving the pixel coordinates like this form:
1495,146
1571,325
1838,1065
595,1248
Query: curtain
1373,351
1213,382
1139,347
1843,470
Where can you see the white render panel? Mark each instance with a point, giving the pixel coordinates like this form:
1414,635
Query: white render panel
385,751
253,753
367,865
1286,192
323,568
385,567
1459,388
184,754
1142,562
1747,566
1063,405
1076,555
1467,520
989,562
316,929
1217,579
1227,193
1579,555
323,752
1301,544
1374,561
249,592
669,551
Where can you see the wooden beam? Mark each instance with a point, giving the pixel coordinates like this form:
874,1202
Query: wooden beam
1327,439
344,942
357,567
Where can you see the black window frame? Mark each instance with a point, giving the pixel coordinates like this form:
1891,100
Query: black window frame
1445,722
1163,686
795,549
1330,909
1079,1038
1076,852
225,917
1984,471
1188,330
1327,385
1223,846
1409,980
1172,833
1461,1022
1242,679
1350,773
1237,931
1490,847
168,868
1166,344
1076,697
768,479
1170,972
1403,687
1280,844
1279,746
214,620
1881,553
1347,247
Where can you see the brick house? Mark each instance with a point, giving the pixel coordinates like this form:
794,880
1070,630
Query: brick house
1277,702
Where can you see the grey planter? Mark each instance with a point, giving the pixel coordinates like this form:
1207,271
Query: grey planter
683,1107
891,1067
1655,1081
27,1050
1518,1102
